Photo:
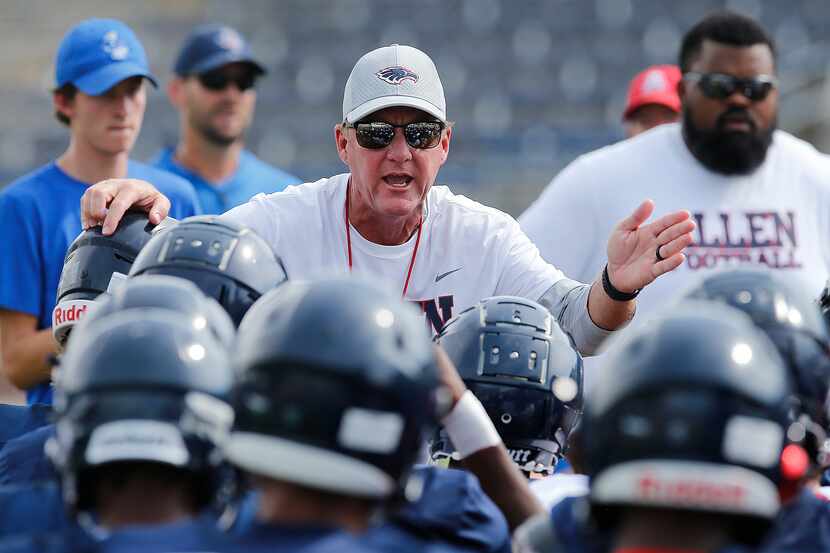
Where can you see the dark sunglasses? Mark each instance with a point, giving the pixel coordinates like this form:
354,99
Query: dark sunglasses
376,135
219,80
721,86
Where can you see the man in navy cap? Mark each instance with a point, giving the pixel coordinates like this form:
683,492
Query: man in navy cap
214,91
100,95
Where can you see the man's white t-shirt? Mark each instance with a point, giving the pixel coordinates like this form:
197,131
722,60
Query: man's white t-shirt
775,218
467,251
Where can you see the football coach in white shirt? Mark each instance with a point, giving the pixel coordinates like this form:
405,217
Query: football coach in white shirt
385,219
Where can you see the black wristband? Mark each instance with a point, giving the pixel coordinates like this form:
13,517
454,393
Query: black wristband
612,292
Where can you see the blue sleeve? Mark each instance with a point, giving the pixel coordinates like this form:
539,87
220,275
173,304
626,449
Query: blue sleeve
22,269
454,509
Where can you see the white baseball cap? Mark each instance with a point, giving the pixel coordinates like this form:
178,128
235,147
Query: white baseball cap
393,76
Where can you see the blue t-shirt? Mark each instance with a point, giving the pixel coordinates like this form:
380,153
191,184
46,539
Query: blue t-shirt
252,176
39,219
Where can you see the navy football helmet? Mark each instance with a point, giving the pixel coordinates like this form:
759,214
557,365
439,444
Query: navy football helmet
790,317
690,412
336,389
155,292
141,386
526,372
91,261
227,261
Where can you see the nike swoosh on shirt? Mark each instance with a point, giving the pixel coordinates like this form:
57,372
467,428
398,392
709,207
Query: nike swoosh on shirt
448,273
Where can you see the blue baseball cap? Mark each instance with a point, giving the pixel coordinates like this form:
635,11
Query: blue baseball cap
212,46
97,54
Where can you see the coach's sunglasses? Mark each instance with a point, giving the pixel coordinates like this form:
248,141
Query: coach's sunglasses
219,80
422,135
721,86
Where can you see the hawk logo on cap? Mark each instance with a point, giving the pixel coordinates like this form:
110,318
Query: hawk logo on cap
397,74
114,46
654,82
229,39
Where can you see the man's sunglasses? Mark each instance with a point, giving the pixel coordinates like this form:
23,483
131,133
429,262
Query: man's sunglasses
219,80
376,135
721,86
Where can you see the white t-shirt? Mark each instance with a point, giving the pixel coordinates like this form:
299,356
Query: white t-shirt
776,218
467,251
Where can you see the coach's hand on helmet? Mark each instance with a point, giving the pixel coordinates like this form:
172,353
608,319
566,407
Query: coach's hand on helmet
104,203
638,253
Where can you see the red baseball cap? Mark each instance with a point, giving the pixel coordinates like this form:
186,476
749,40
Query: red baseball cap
654,85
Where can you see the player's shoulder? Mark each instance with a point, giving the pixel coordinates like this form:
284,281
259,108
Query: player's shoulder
41,543
23,460
256,167
16,420
391,537
32,509
455,510
199,534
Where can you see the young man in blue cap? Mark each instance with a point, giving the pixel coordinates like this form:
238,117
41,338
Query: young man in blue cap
214,91
100,95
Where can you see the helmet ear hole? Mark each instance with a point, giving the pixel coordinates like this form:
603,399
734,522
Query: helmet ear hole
794,462
794,466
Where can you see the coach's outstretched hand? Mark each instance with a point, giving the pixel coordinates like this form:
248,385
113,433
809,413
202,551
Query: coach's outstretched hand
639,253
104,203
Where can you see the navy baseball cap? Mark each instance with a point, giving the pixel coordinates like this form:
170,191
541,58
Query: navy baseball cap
212,46
97,54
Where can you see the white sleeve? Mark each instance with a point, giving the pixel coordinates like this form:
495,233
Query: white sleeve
526,274
562,223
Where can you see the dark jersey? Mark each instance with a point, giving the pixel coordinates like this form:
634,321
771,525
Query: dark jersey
453,509
23,459
31,509
16,420
802,526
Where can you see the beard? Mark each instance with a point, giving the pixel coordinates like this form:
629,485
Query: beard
728,152
217,137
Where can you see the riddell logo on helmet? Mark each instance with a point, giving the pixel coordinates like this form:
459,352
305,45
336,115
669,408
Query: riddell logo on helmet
690,492
69,314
